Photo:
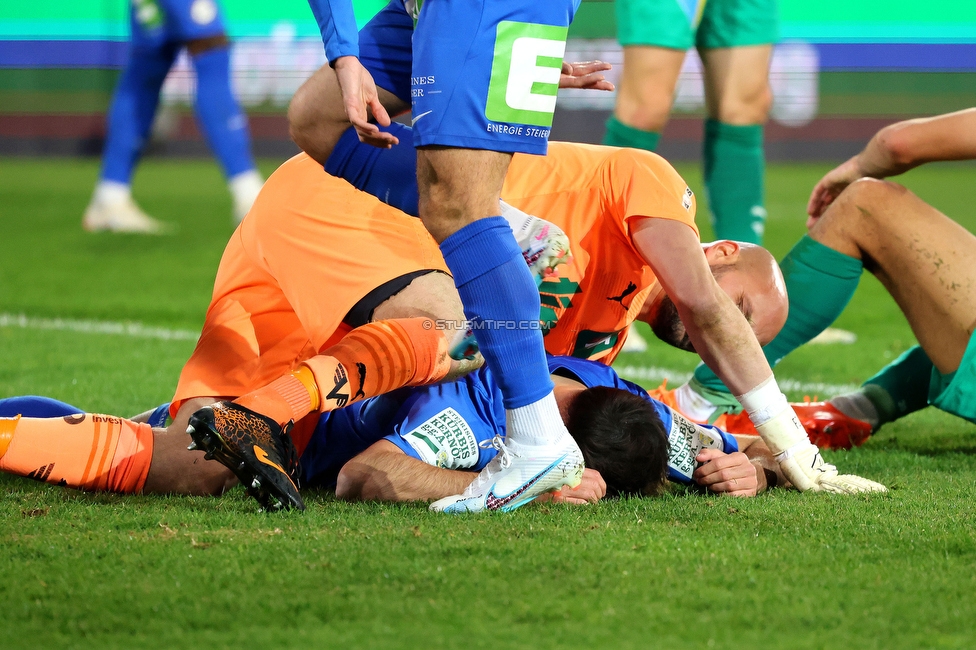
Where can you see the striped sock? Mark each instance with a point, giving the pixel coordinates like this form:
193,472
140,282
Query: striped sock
379,357
83,451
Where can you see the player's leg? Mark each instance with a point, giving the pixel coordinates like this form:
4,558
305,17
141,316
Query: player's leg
130,118
926,261
105,453
655,35
645,94
465,136
316,117
738,99
735,40
199,25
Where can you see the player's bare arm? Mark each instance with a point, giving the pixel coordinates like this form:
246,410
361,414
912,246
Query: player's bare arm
384,473
897,148
717,329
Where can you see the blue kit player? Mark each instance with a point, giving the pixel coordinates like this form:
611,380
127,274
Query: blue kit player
425,442
160,29
481,78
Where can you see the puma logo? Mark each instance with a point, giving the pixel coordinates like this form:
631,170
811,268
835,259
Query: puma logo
631,288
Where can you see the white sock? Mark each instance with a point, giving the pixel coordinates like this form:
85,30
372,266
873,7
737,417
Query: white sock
538,423
692,405
246,185
112,192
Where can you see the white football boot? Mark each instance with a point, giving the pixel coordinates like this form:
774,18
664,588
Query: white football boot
113,210
544,246
244,189
517,475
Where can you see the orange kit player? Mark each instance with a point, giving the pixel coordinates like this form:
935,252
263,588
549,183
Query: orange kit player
321,299
630,219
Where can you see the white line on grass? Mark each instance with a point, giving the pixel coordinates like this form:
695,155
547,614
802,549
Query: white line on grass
137,330
677,377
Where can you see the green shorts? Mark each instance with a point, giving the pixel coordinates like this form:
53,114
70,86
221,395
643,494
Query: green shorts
705,24
956,392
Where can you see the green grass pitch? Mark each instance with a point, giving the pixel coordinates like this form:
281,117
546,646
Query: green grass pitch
683,571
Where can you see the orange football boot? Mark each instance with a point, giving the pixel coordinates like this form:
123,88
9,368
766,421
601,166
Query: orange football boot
829,428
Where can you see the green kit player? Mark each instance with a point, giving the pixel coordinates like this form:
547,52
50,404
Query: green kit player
925,260
734,39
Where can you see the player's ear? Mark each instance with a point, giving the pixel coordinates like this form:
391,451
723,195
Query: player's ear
723,251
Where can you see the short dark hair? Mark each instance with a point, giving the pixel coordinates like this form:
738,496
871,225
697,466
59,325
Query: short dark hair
622,437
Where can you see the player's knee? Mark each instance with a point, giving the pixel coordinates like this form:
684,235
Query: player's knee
647,111
871,199
749,106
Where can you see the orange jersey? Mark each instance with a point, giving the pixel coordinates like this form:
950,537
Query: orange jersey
594,193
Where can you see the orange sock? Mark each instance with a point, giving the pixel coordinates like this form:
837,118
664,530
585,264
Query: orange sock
379,357
290,397
370,360
83,451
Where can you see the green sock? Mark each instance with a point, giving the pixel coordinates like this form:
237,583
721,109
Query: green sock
901,387
620,135
735,168
820,282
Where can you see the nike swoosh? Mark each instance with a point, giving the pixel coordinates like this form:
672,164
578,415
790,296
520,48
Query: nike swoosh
494,502
262,457
414,120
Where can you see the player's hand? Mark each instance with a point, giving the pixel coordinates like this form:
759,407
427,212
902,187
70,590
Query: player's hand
830,187
805,468
590,490
732,474
587,74
359,97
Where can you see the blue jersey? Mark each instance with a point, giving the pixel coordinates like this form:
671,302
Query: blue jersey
444,425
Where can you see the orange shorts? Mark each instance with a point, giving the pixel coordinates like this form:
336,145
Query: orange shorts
311,247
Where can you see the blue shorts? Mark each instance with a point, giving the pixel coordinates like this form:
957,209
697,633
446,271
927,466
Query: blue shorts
158,22
479,74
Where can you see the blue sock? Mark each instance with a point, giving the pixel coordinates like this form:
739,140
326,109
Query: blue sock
495,285
388,174
31,406
218,113
133,107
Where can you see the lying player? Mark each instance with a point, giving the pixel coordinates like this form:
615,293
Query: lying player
925,260
423,443
630,221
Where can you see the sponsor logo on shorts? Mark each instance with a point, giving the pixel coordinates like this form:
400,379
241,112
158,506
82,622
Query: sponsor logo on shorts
525,74
686,200
77,418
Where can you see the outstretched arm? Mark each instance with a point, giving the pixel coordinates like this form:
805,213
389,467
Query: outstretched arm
897,148
384,473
